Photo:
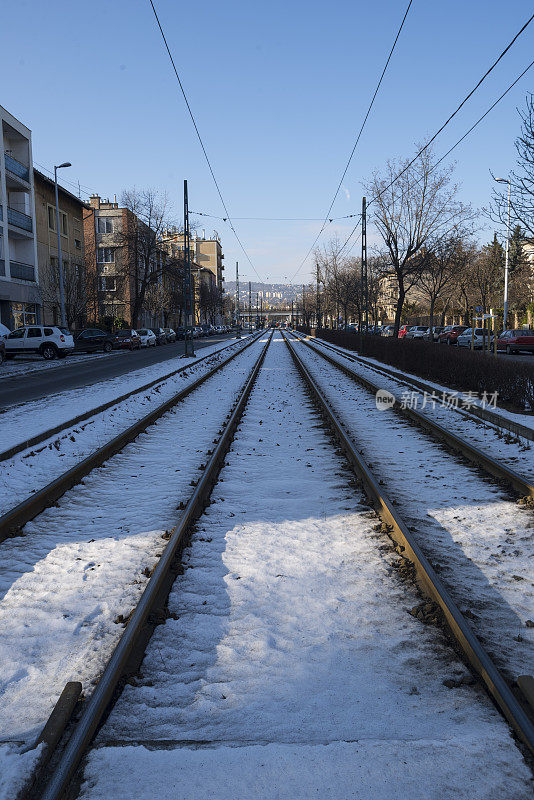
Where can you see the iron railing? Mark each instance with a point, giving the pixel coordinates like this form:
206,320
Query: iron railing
19,219
17,168
24,272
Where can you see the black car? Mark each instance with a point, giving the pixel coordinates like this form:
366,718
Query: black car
180,332
93,339
161,336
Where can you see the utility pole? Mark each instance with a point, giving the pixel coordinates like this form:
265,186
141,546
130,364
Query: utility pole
318,298
292,313
257,311
303,306
364,272
238,320
189,349
249,309
261,311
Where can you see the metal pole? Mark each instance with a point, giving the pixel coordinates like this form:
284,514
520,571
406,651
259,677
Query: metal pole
188,340
363,271
292,313
505,315
60,260
257,311
238,320
318,299
249,309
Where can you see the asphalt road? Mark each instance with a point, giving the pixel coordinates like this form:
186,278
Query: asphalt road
74,374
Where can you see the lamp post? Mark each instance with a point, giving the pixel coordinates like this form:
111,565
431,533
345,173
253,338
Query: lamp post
60,261
505,312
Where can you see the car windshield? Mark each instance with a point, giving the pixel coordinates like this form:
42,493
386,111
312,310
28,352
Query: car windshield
123,333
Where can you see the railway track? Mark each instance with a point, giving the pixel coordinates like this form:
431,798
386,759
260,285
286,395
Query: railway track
440,431
286,631
41,497
82,564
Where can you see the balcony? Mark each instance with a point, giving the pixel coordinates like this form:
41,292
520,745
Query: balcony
16,168
24,272
19,219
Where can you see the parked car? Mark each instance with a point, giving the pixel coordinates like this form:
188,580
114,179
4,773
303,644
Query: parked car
4,331
161,336
513,341
416,332
148,339
479,338
126,339
180,332
388,330
197,332
2,351
170,334
403,330
450,333
93,339
434,336
48,341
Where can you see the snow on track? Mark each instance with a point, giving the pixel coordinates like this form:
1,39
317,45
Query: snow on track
481,541
487,438
33,468
293,669
80,564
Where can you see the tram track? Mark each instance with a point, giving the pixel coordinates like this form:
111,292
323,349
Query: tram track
518,712
222,724
12,520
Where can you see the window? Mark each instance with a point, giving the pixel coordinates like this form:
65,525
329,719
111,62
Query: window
105,225
51,218
64,226
24,314
78,244
108,284
106,255
34,333
19,334
48,332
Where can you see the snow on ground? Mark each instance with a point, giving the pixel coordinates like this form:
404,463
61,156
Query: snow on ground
15,766
523,419
32,469
293,669
26,365
80,564
481,541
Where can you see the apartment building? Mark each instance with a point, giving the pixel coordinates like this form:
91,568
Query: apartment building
114,259
71,210
20,297
206,253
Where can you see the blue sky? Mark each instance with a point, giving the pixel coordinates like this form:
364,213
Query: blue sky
279,91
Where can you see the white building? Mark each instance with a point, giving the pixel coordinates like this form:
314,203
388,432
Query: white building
20,301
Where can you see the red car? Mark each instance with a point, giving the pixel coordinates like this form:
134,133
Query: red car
451,333
516,340
126,339
402,331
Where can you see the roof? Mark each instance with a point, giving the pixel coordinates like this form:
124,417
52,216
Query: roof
49,181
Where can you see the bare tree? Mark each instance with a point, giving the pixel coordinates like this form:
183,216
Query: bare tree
521,179
413,205
142,261
74,290
439,272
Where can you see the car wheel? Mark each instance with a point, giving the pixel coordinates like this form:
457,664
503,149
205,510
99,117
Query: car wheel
108,347
48,352
508,350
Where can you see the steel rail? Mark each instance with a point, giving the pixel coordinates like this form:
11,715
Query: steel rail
33,505
484,414
42,437
438,431
97,704
431,583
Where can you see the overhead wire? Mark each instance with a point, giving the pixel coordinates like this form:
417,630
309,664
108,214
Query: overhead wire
227,218
327,219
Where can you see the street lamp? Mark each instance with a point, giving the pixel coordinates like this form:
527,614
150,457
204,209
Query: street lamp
60,261
505,314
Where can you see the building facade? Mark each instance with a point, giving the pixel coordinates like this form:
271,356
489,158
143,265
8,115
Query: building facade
71,210
205,253
20,297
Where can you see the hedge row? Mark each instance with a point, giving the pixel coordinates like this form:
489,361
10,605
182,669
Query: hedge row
457,368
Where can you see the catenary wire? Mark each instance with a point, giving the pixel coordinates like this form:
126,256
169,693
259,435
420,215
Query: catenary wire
228,218
327,219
